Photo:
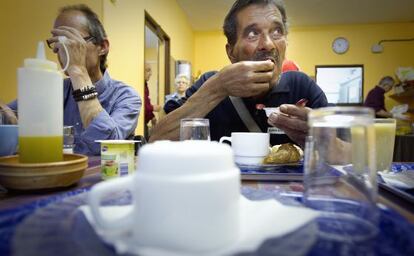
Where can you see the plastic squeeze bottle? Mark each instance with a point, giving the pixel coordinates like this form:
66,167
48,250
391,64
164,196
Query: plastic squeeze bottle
40,112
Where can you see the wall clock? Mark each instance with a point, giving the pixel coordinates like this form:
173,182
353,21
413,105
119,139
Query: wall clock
340,45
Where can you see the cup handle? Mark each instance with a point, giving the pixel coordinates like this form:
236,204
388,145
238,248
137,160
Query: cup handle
94,198
225,138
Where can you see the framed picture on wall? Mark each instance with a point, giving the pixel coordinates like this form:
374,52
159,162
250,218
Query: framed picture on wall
342,84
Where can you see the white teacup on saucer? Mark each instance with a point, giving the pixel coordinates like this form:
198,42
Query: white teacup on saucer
185,197
249,148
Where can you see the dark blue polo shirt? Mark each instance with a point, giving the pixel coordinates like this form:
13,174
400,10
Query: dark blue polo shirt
224,119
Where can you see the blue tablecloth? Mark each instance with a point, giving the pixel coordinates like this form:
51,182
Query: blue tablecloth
54,226
66,232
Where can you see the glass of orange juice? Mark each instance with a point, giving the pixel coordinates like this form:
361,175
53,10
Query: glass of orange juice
384,142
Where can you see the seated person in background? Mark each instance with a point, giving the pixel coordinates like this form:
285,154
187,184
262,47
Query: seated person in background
181,85
256,43
376,100
112,113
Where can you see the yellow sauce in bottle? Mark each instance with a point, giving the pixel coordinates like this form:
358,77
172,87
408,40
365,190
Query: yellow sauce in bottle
40,149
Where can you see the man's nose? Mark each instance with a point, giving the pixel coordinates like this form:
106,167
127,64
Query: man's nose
266,43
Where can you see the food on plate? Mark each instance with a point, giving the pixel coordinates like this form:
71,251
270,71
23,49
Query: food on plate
283,154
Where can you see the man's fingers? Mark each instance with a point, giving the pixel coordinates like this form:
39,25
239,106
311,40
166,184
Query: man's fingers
292,110
53,39
69,32
294,128
260,66
263,77
298,137
288,123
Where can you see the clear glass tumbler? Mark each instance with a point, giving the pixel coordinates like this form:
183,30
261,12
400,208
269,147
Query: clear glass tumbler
194,129
340,174
384,142
68,139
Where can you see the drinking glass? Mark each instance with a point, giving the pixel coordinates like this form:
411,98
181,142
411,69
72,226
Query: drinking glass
384,142
68,139
194,129
340,174
140,141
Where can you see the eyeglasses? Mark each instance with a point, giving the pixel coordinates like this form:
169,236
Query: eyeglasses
86,38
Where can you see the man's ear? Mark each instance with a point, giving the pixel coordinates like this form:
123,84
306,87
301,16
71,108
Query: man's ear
104,47
229,50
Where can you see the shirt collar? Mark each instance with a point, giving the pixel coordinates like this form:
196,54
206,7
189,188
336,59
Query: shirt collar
102,83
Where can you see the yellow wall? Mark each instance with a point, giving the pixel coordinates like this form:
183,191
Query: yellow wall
174,22
209,51
22,24
124,21
311,46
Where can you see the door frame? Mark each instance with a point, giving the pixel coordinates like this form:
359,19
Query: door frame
156,28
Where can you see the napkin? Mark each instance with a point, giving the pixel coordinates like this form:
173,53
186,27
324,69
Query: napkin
403,179
271,110
259,221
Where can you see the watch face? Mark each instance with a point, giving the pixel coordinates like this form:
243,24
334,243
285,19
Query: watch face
340,45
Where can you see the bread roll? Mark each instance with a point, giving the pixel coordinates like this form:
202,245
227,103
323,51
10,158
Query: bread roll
283,154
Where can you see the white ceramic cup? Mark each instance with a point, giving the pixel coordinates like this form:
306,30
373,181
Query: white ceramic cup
248,147
185,197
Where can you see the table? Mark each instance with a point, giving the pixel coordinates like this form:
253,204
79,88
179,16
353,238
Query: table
17,203
92,176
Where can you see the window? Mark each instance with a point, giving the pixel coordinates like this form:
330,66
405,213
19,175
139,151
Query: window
342,84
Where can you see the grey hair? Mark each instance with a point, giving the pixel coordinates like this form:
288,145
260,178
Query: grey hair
95,28
230,22
386,79
179,76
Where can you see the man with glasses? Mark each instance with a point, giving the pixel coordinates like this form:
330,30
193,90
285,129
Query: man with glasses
256,34
98,107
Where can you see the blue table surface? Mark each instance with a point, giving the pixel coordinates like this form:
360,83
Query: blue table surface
396,236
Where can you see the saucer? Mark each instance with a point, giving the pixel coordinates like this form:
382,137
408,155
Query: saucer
31,176
266,172
259,221
56,226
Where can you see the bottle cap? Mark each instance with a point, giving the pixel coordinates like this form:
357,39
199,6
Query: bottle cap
40,62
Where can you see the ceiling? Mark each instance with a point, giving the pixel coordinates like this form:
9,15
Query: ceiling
209,15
